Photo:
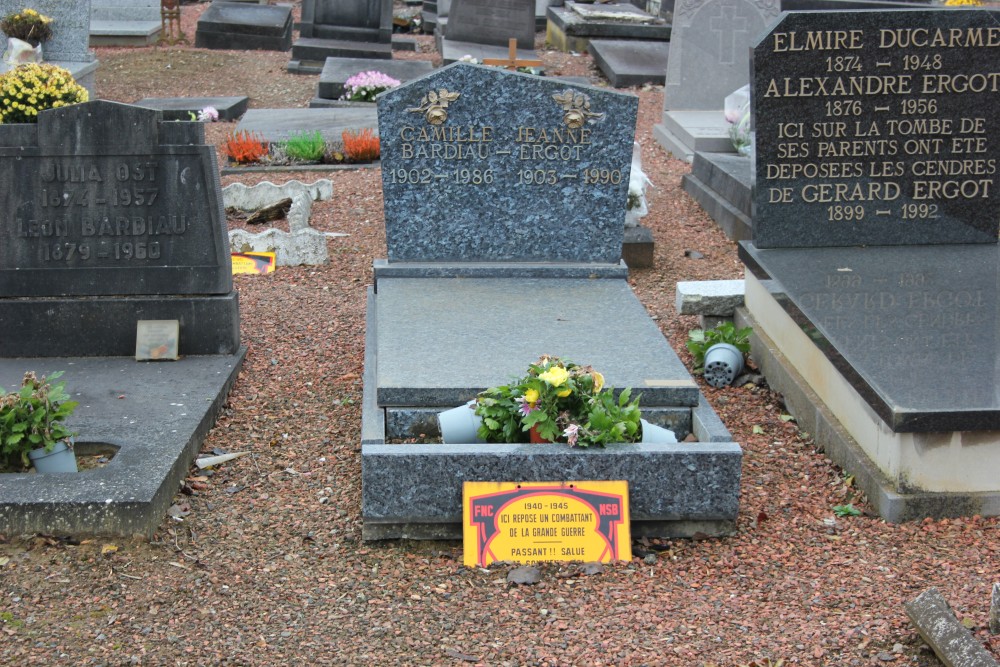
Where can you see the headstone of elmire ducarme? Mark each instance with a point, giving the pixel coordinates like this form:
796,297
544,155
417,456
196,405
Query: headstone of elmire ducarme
110,217
874,260
505,200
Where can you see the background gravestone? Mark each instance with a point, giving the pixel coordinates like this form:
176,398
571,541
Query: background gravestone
70,36
709,58
874,261
110,216
483,28
341,29
565,150
883,145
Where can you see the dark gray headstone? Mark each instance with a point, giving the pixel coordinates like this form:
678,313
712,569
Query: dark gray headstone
628,63
484,165
492,22
108,200
877,128
352,20
240,26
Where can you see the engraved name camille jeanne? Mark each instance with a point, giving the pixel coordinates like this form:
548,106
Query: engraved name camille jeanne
880,120
86,211
543,156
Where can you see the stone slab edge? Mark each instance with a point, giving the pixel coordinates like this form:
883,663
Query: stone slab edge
951,641
129,513
733,222
831,437
568,270
709,297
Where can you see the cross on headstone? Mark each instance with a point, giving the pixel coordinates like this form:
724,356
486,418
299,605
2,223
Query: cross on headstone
512,63
729,21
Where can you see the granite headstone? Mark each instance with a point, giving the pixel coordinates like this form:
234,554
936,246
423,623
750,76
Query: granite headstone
111,215
492,22
708,60
490,165
876,128
353,20
240,26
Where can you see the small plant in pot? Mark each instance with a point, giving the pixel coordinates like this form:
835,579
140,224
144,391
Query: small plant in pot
719,353
32,428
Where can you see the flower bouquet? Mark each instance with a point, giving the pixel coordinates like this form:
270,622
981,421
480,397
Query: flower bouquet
558,401
364,86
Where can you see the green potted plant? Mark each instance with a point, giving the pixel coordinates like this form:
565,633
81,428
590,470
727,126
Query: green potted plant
556,401
32,428
719,353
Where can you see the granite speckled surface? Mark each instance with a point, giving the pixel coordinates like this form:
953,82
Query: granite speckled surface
892,140
914,329
480,207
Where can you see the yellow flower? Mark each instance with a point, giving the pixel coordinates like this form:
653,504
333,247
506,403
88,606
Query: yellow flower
555,376
598,381
531,396
564,393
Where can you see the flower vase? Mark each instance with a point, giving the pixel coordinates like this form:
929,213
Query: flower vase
60,459
535,438
651,433
460,425
723,363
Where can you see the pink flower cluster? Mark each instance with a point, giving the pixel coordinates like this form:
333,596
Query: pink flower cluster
364,86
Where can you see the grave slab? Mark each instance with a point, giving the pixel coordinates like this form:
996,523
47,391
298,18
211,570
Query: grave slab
153,416
338,70
280,124
505,200
124,33
418,344
482,29
181,108
630,63
569,29
245,27
684,133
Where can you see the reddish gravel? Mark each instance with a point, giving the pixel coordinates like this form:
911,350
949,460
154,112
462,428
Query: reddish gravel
268,567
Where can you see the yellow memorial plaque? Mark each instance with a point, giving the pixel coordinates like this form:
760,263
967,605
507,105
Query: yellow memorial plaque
253,262
531,522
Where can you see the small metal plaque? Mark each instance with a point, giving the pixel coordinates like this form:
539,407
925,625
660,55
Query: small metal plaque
157,340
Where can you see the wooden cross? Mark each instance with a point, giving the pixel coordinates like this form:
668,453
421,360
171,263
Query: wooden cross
512,63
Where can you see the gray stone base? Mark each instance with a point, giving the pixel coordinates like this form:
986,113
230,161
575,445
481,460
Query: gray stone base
124,33
566,30
153,416
638,247
105,326
181,108
452,51
815,418
421,358
310,53
338,70
682,133
627,63
280,124
720,183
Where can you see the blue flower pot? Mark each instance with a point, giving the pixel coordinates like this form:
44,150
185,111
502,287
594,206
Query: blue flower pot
60,459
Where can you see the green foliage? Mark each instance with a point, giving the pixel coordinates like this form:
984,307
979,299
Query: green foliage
700,340
306,147
846,510
32,417
564,402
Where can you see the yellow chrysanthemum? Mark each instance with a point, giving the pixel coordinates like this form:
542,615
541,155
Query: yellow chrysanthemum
531,396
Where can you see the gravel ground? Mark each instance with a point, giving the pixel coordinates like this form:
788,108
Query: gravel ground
267,566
